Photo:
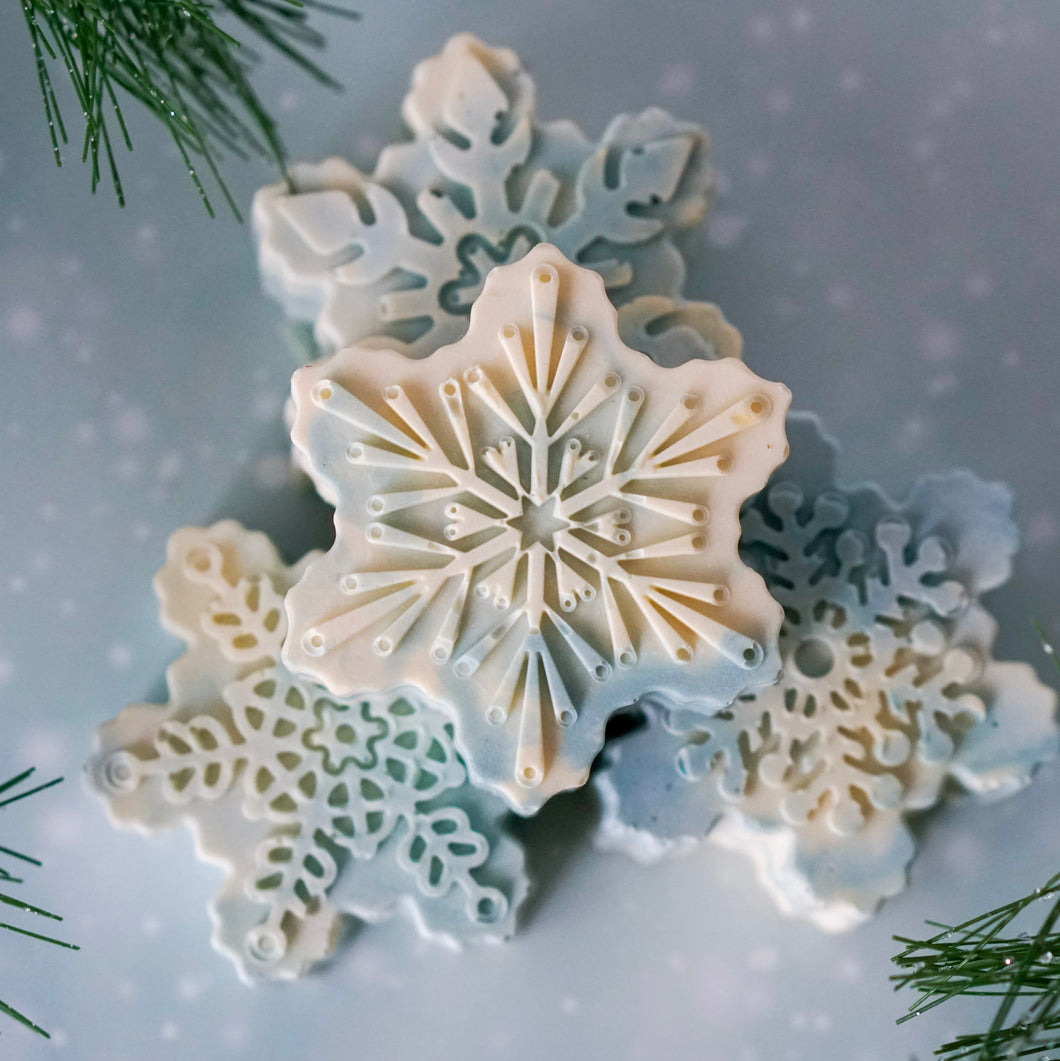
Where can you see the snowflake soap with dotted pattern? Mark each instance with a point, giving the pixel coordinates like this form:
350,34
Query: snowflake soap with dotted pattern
315,805
398,258
535,526
888,692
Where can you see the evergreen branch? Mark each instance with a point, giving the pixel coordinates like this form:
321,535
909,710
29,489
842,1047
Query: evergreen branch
172,58
20,904
982,957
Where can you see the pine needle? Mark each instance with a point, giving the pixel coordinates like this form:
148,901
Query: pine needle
984,957
172,58
21,905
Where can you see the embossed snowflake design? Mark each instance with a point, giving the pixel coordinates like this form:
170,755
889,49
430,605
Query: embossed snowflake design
535,526
399,257
315,805
888,690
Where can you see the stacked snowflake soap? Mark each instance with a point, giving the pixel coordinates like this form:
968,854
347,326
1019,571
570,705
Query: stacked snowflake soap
538,453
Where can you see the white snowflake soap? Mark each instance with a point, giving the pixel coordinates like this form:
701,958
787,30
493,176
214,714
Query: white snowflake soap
399,257
535,526
315,805
888,691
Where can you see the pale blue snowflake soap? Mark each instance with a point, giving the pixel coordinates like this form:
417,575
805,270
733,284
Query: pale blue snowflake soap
316,806
398,258
888,691
535,526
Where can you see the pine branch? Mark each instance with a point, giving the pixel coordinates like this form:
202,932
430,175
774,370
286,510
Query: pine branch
982,957
172,58
20,904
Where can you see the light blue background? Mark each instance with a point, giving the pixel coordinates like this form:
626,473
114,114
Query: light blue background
887,238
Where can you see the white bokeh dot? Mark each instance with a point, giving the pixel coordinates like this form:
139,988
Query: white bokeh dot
120,656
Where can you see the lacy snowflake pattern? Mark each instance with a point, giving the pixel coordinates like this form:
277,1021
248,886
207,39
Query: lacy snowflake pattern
315,805
399,257
535,526
888,690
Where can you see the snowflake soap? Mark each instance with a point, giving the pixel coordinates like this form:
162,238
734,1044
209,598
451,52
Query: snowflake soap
535,526
315,805
399,257
888,691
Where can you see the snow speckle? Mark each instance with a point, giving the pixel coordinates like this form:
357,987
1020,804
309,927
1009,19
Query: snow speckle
779,101
189,988
759,166
911,433
851,80
763,960
131,426
762,28
726,230
85,433
946,383
23,324
120,656
46,749
839,297
169,468
923,149
265,405
1043,530
289,102
939,341
676,80
128,469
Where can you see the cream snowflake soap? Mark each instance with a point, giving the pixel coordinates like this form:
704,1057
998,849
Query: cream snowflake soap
316,805
399,257
888,691
535,526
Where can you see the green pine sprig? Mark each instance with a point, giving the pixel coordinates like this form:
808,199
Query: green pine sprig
11,786
986,956
173,58
982,957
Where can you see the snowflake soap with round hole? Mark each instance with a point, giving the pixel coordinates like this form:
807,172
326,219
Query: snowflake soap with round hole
399,257
888,691
315,805
535,526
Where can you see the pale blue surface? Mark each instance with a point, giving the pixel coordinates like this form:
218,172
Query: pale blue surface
888,240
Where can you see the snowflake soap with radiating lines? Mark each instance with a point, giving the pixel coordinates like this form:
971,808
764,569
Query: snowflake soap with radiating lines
535,526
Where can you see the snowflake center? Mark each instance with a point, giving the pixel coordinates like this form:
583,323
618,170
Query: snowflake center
814,658
538,524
